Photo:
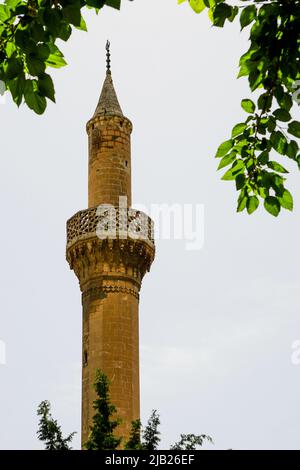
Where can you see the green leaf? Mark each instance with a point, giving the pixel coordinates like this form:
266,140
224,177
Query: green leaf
114,4
97,4
278,142
46,87
277,167
263,192
234,13
24,41
221,12
240,180
224,148
55,61
265,101
52,19
4,12
250,163
227,160
242,201
294,128
197,5
252,204
55,58
272,205
248,106
284,99
12,3
65,31
228,176
271,124
82,25
10,49
282,115
37,32
238,166
238,129
292,149
14,68
276,182
263,158
71,14
247,16
16,87
244,71
287,200
255,78
42,51
35,65
33,98
21,9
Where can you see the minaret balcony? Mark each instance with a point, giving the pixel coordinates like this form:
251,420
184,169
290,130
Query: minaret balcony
114,242
110,223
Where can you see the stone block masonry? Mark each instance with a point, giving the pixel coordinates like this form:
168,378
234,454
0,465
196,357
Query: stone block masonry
110,271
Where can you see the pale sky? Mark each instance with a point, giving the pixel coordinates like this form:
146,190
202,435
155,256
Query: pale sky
216,325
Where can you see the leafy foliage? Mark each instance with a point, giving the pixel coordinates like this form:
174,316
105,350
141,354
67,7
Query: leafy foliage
29,31
134,441
151,437
190,442
272,66
102,432
50,432
151,434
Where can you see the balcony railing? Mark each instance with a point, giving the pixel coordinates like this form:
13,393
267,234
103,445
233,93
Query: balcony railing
110,223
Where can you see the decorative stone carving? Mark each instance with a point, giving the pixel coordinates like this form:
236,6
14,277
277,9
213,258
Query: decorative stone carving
93,258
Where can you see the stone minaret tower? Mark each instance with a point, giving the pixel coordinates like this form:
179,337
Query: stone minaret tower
110,248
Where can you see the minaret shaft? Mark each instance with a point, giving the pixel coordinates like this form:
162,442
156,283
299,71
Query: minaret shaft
111,343
110,267
109,160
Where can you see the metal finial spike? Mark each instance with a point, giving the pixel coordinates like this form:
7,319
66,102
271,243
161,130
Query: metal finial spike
107,56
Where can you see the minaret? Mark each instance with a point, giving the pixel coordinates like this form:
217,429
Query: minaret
110,248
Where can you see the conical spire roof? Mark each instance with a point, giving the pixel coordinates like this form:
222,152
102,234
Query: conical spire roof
108,104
